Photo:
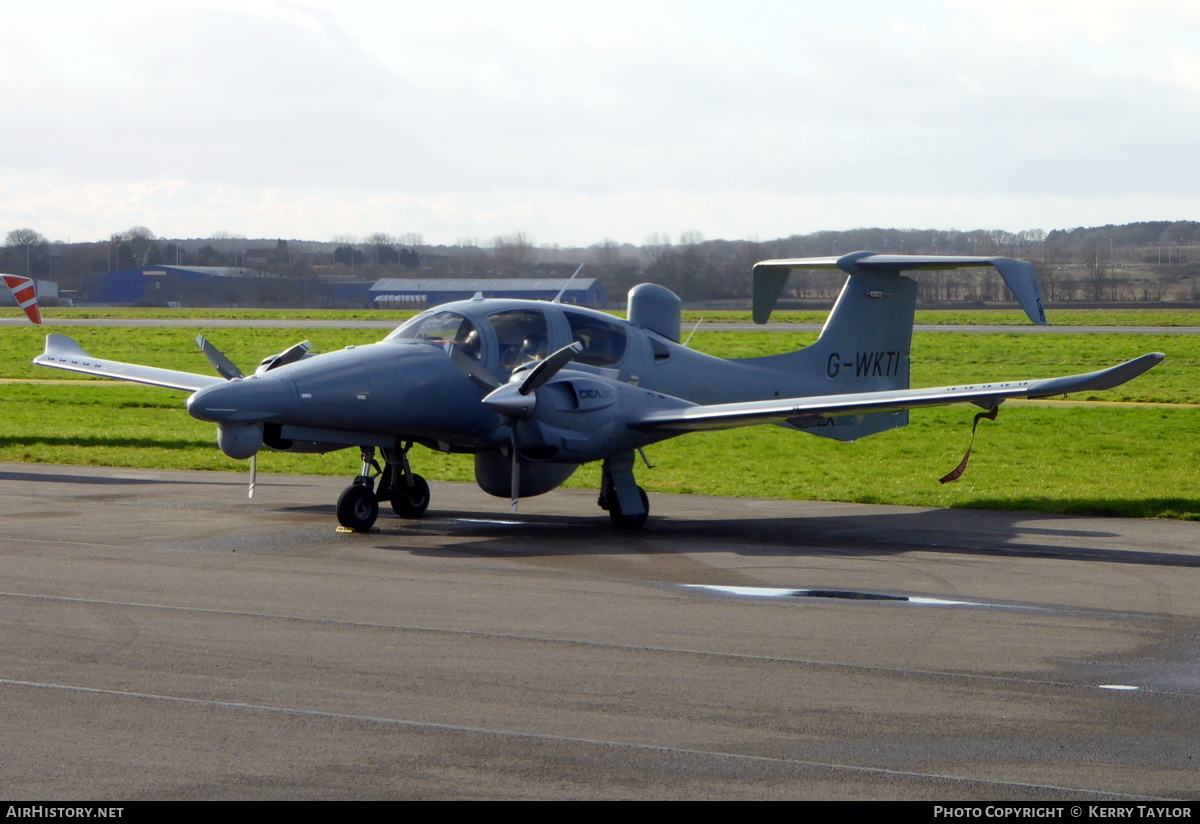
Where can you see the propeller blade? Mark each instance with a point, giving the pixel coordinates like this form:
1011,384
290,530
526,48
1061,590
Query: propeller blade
253,473
224,366
289,355
548,367
472,368
515,479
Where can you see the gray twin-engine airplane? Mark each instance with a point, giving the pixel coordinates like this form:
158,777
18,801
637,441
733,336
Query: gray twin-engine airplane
534,389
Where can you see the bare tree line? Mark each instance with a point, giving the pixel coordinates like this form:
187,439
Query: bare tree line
1142,262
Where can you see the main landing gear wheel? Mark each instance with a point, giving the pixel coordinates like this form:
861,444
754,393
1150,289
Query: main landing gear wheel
406,501
411,501
620,520
357,507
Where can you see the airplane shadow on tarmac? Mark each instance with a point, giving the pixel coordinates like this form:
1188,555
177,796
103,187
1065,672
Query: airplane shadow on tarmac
950,531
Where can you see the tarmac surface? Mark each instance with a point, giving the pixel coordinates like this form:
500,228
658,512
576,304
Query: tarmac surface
165,638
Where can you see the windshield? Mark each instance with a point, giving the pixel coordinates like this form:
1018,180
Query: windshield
441,328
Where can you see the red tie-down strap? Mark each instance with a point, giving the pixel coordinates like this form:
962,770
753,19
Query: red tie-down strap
957,472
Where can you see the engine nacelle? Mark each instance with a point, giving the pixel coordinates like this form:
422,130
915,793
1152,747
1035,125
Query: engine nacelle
493,473
582,417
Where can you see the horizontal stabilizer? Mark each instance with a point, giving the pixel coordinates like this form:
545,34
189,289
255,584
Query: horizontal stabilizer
770,276
64,353
987,395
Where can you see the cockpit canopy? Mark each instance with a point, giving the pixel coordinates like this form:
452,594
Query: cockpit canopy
442,328
523,336
520,335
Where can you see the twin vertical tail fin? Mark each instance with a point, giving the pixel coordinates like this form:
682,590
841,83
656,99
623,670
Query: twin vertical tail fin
865,344
24,292
770,276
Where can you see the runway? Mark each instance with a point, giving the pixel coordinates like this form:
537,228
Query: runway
165,638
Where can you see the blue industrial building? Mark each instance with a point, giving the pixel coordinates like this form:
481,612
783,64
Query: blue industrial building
400,293
186,286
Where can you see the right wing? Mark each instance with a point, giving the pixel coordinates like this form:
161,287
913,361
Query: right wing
64,353
783,410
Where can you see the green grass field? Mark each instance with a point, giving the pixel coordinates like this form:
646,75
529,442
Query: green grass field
979,317
938,317
1133,461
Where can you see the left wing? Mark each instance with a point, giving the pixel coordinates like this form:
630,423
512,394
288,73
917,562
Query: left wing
987,395
64,353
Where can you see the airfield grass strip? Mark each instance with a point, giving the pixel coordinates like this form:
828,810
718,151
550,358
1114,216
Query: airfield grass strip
1137,462
977,317
938,317
1109,461
937,359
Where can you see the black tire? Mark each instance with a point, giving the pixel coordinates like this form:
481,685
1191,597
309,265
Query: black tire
411,502
623,521
357,508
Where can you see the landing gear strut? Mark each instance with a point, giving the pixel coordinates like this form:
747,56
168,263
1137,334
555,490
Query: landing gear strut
626,502
408,493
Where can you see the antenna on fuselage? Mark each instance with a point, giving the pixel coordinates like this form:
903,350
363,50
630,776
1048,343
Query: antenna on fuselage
558,297
694,328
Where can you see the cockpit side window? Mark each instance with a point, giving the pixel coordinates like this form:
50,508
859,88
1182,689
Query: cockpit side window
442,328
603,342
523,336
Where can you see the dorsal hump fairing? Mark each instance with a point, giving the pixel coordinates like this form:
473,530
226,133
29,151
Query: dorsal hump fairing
770,276
656,308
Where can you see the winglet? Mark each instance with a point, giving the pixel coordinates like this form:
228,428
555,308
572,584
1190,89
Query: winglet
24,292
61,346
770,276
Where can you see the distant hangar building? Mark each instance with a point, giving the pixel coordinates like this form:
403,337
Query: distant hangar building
183,286
401,293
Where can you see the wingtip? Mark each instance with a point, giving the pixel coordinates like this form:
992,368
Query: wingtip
57,344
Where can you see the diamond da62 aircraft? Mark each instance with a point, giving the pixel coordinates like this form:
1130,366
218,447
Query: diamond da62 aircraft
534,389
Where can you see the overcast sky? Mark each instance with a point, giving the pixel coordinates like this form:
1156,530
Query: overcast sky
576,122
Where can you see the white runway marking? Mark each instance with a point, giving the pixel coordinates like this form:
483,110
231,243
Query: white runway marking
917,600
490,521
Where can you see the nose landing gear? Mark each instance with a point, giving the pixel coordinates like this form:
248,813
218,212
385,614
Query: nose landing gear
357,506
408,492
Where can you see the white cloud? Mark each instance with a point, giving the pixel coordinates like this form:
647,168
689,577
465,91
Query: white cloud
576,122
